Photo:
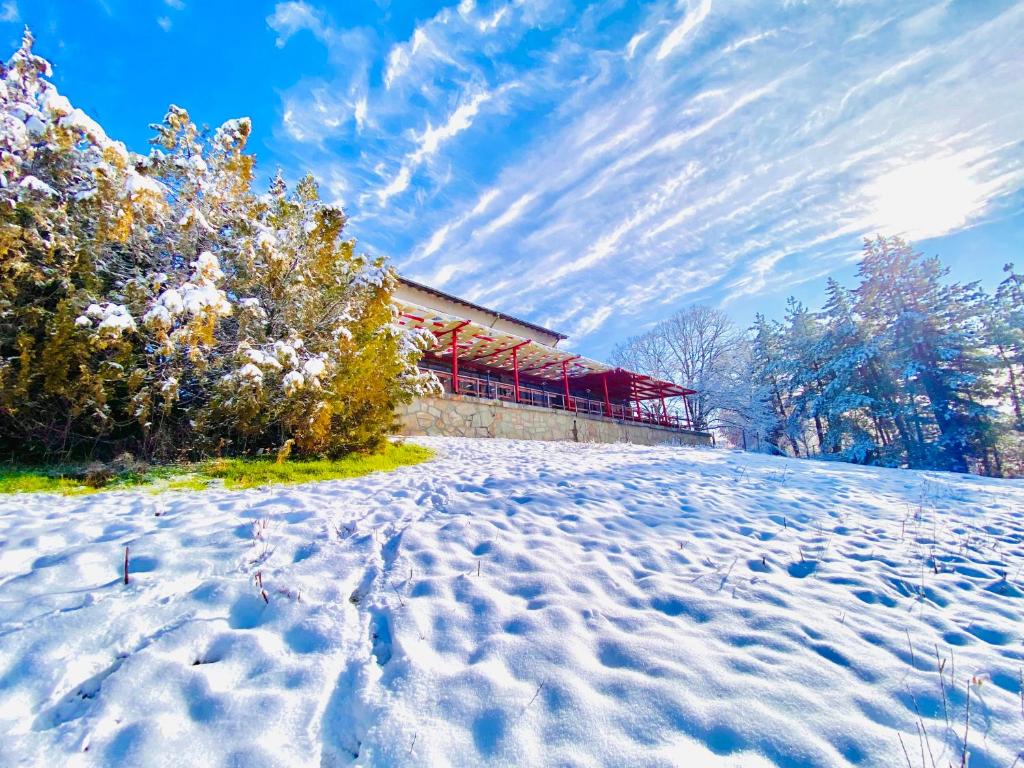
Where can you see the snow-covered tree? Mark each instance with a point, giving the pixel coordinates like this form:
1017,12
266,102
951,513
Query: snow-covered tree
931,337
157,304
697,348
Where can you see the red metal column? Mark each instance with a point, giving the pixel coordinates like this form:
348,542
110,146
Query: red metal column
636,395
664,410
455,361
515,371
565,381
607,402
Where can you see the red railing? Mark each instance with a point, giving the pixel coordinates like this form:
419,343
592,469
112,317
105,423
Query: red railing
474,386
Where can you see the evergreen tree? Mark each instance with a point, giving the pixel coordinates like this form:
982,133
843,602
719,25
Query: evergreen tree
805,353
1006,334
769,368
928,339
157,304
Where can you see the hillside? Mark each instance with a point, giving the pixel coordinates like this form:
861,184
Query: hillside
522,603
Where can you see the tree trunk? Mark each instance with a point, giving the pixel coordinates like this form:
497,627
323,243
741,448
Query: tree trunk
939,396
1014,392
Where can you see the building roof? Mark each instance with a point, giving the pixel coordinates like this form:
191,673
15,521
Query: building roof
488,310
474,342
492,347
622,385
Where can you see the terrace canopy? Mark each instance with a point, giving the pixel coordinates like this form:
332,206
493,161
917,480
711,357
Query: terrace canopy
539,374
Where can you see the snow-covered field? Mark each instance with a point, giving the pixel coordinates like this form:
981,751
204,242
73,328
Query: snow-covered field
523,604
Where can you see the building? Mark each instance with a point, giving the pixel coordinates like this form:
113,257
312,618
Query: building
506,377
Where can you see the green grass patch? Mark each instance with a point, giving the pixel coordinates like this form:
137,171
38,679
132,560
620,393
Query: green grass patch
250,473
235,474
38,481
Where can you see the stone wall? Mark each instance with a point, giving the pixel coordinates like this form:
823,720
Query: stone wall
460,416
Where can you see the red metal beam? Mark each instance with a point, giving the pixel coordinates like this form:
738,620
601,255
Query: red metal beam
513,348
565,382
553,362
515,370
607,402
463,324
455,360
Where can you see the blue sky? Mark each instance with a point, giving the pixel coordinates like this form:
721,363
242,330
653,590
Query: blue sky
595,166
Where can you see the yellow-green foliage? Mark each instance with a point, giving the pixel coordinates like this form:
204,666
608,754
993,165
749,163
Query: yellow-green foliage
159,305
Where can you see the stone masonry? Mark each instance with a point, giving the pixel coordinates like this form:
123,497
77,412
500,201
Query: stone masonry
460,416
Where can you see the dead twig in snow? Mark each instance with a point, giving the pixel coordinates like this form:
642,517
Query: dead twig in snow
905,753
967,726
921,730
940,665
913,661
535,695
125,563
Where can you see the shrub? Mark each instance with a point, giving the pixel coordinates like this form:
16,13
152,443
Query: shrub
155,304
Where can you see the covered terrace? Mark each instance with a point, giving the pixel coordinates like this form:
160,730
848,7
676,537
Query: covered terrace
479,361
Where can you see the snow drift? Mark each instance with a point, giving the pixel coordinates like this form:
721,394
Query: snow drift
522,603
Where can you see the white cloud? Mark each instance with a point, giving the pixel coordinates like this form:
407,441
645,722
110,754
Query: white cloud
396,186
295,16
360,113
488,25
9,11
429,142
509,215
165,23
634,41
691,21
720,174
458,121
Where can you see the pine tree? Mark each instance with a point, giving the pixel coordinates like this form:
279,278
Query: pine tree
769,368
928,340
805,354
1006,333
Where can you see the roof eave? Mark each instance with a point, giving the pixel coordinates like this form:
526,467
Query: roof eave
479,308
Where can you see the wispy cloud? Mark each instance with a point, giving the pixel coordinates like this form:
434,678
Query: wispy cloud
291,17
429,142
9,11
691,21
595,170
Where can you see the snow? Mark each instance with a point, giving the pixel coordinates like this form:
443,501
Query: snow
203,298
36,185
314,367
137,183
286,353
114,319
292,382
520,603
250,372
262,359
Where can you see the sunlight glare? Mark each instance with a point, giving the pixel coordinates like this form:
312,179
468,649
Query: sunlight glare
925,199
